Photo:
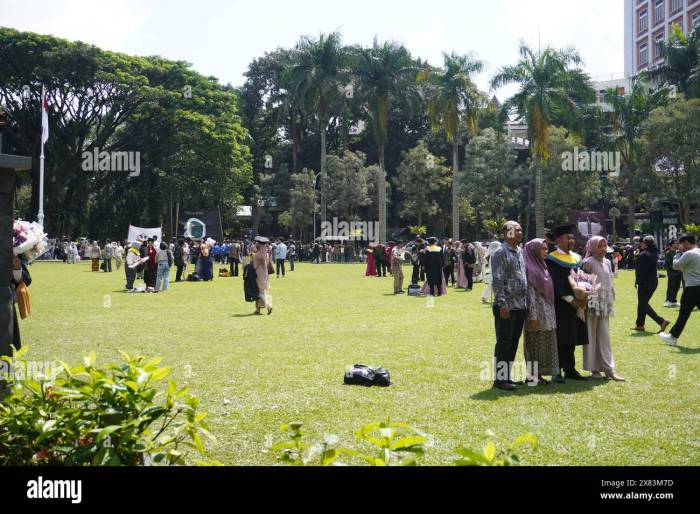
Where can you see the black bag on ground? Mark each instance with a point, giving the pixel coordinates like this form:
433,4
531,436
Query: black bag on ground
359,374
414,290
192,277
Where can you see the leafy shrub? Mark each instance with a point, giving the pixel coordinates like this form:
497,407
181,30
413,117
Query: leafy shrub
394,443
88,415
493,456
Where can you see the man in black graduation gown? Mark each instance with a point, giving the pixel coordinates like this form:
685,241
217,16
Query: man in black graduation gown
571,330
433,264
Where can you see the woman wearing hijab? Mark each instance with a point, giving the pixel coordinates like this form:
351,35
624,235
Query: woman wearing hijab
646,282
261,264
488,277
541,354
371,270
597,355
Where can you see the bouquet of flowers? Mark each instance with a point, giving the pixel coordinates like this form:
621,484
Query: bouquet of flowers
585,286
28,239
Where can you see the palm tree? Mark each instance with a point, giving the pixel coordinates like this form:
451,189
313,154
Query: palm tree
551,92
318,77
385,74
681,66
454,102
628,114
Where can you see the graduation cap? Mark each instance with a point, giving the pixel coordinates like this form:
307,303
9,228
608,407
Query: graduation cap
432,240
261,240
563,230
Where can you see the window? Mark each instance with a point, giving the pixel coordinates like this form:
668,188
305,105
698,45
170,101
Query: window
657,45
676,5
643,54
695,21
658,11
643,20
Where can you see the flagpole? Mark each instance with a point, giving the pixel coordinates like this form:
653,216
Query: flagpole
40,215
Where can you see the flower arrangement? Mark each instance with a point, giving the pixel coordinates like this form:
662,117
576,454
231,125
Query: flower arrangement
28,239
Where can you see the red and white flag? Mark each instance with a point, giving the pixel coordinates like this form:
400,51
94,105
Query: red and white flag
44,116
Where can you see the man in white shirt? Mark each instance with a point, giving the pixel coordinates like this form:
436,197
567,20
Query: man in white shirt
687,261
398,256
280,253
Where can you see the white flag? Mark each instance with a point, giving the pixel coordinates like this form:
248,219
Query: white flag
44,116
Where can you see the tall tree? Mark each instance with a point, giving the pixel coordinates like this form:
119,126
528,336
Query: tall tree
385,74
454,104
671,134
552,91
421,185
681,66
319,77
629,111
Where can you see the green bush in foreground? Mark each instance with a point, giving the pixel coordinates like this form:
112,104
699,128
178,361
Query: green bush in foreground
88,415
394,444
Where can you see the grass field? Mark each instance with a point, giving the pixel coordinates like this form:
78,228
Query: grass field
289,366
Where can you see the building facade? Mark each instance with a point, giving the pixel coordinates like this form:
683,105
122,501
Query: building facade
648,22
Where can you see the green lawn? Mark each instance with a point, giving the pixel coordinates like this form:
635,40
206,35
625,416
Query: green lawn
289,366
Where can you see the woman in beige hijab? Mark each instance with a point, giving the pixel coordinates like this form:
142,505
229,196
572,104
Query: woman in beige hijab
261,264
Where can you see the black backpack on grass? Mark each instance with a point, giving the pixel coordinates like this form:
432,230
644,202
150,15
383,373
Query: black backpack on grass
359,374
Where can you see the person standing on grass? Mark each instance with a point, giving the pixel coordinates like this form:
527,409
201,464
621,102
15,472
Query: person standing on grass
132,257
646,282
179,259
292,253
468,262
541,354
164,259
488,276
398,256
673,284
261,264
433,262
510,303
108,254
280,253
571,330
379,252
234,257
597,354
95,254
118,254
687,261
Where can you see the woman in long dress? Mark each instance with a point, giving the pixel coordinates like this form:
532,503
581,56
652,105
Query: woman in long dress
597,354
541,354
206,264
371,270
261,263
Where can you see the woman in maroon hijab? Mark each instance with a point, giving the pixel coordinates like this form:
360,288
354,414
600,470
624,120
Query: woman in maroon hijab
540,332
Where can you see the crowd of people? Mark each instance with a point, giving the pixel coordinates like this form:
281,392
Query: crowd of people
544,289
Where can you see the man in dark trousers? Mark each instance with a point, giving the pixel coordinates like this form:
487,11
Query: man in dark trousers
674,277
433,264
380,259
178,259
234,257
509,303
416,259
571,330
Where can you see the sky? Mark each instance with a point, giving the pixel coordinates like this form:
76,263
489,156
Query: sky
221,38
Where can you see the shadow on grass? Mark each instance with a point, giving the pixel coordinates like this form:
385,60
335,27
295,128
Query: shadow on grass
569,387
247,315
684,350
642,334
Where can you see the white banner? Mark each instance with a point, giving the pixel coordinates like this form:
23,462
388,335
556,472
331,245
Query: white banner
144,233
